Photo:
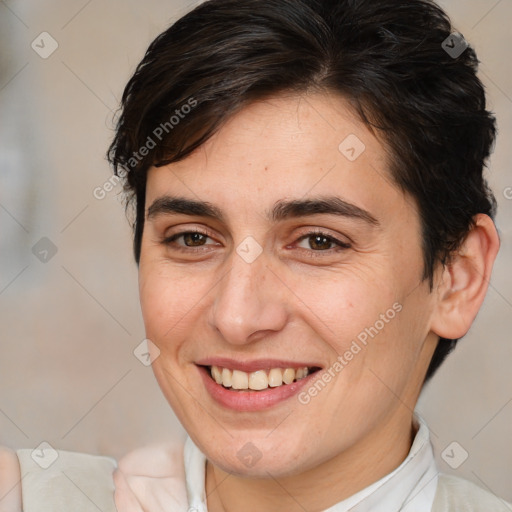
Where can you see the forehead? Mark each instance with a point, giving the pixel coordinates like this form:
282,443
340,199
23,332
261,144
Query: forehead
285,147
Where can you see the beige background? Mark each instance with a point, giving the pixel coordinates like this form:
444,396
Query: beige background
69,326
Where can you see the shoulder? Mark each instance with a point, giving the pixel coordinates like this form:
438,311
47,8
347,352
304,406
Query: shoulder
46,479
454,494
10,488
151,478
157,460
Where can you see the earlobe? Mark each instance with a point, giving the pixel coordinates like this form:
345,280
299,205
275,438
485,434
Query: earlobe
465,280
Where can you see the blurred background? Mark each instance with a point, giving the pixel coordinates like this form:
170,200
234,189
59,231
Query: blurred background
69,312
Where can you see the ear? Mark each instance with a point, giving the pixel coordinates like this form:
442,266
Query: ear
465,279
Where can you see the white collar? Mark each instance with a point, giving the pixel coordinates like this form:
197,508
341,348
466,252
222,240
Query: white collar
411,487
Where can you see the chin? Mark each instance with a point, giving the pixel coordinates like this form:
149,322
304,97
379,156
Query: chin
249,456
262,468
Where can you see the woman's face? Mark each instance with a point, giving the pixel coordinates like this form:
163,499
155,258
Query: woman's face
282,244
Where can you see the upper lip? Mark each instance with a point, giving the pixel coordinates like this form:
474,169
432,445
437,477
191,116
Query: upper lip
255,364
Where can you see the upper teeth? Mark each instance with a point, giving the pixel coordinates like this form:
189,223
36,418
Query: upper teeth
258,380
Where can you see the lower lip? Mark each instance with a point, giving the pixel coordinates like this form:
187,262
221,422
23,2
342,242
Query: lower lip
248,401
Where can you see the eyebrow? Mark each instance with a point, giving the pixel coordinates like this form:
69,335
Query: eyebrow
282,209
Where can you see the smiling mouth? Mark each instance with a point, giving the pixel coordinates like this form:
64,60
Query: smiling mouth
238,380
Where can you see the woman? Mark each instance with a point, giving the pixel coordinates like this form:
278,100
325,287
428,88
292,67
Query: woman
313,235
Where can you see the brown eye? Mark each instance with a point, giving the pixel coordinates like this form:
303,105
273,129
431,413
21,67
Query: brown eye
319,242
190,240
194,239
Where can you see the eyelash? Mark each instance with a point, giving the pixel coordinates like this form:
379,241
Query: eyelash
341,246
312,253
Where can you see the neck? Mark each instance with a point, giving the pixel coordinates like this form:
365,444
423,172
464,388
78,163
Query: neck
319,488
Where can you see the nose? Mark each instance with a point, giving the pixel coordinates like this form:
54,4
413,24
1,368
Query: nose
250,301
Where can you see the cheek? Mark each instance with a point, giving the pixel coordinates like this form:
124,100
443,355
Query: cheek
371,328
341,306
166,301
